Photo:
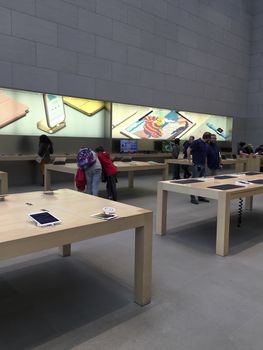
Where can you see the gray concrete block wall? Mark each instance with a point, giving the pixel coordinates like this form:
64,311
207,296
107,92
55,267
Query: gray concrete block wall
191,55
254,122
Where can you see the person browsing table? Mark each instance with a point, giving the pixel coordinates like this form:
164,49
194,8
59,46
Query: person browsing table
199,155
214,160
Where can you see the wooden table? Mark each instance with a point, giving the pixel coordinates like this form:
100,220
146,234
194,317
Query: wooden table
252,161
223,197
32,157
240,164
129,167
19,236
142,155
3,182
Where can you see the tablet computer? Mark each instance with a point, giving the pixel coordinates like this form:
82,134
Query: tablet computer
44,218
159,124
10,110
88,107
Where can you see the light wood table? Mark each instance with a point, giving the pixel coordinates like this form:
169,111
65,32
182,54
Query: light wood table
19,236
3,182
142,155
129,167
252,161
223,197
32,157
240,164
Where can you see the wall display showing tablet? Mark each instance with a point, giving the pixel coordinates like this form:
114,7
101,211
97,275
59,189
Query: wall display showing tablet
32,114
88,107
10,109
140,122
219,125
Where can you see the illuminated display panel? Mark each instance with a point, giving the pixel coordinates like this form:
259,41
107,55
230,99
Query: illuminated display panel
140,122
32,114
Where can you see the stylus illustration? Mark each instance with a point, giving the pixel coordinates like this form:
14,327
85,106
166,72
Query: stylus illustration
219,131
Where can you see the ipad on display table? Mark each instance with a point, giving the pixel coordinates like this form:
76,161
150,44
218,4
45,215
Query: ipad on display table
44,218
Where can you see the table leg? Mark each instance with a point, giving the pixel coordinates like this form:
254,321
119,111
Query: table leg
143,262
161,216
131,179
4,183
166,172
249,203
47,179
64,250
223,221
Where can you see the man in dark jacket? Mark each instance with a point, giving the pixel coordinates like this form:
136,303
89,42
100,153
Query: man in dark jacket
186,145
214,161
199,153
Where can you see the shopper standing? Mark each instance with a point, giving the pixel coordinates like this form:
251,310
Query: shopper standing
45,149
214,161
186,145
199,153
175,154
89,162
109,170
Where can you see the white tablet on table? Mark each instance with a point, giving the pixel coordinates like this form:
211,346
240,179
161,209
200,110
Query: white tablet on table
44,218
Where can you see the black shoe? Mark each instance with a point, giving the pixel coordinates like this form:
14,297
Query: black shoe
202,199
194,201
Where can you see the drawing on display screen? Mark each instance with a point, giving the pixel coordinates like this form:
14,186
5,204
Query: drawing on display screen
88,107
218,130
159,124
55,114
10,110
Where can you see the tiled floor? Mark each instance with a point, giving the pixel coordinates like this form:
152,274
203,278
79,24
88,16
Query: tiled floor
200,301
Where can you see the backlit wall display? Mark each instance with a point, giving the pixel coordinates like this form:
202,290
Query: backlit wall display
139,122
32,113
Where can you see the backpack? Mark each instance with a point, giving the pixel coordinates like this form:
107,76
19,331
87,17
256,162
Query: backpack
86,158
80,180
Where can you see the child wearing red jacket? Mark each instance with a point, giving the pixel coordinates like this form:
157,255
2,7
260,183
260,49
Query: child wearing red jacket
109,170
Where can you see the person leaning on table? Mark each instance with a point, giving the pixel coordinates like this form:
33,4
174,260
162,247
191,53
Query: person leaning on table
186,145
109,171
214,160
199,155
175,154
45,149
259,150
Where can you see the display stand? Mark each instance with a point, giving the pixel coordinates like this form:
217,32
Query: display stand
42,125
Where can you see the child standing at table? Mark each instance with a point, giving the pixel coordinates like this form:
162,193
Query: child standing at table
109,171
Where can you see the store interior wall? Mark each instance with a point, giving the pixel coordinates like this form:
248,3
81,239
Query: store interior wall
190,55
254,120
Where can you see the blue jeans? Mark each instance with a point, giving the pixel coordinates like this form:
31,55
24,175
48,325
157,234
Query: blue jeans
198,171
93,177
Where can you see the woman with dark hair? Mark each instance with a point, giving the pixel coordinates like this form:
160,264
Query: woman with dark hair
45,148
259,150
245,148
240,147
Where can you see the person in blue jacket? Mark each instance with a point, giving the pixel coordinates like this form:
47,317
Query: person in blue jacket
198,149
214,161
